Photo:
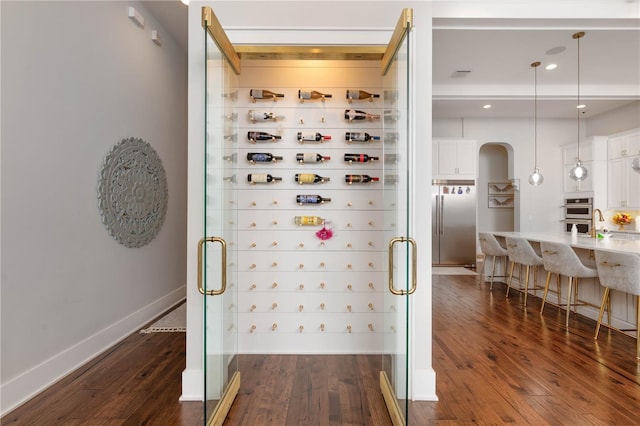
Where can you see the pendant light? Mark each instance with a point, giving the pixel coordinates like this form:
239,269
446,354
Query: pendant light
635,165
535,178
579,172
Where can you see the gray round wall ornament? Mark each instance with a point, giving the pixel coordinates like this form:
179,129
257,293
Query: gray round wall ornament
132,192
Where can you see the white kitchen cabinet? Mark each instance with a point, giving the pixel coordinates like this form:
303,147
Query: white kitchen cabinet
623,183
593,154
454,158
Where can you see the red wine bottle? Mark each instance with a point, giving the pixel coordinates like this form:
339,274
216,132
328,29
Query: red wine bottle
312,137
359,179
353,114
311,157
262,157
361,94
262,137
359,158
360,137
311,199
264,94
311,95
310,178
262,178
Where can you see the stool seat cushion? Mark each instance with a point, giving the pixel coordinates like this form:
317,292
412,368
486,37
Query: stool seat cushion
561,259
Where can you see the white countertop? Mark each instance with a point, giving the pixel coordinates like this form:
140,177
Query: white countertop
613,244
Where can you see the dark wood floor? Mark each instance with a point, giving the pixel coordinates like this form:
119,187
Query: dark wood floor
495,363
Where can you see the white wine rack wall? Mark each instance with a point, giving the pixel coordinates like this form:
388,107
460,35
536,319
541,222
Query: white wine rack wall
296,292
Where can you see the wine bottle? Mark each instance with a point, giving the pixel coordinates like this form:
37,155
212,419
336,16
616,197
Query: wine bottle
360,95
354,114
311,95
262,157
264,94
261,116
262,137
359,179
311,157
359,158
360,137
308,220
262,178
312,137
311,199
310,178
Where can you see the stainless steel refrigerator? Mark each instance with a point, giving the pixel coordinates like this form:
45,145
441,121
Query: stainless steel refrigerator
453,222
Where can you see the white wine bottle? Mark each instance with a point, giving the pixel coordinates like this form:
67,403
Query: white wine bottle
311,157
310,178
353,114
261,116
264,94
308,220
262,178
361,95
304,95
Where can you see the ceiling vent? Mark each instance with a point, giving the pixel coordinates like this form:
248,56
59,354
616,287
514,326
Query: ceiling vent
460,73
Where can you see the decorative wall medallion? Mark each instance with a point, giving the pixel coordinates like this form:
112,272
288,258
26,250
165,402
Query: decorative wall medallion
132,192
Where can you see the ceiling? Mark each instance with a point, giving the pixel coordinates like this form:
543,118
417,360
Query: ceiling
496,57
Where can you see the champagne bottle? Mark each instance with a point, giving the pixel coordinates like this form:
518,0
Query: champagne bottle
308,220
262,157
310,178
264,94
311,157
354,114
360,95
262,178
311,95
261,116
262,136
359,179
312,137
359,158
311,199
360,137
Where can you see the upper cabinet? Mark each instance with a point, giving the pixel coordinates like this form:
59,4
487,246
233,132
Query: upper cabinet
623,182
454,158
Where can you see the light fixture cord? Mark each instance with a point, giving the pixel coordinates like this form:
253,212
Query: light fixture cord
578,109
535,118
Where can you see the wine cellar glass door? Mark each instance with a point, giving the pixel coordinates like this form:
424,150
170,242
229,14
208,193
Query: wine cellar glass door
396,69
217,273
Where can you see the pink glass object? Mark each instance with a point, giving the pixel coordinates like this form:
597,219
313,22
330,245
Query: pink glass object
325,233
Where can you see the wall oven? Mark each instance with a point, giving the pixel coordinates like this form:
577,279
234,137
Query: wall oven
583,225
578,208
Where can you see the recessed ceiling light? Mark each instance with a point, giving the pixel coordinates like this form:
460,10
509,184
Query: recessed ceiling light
556,50
551,67
581,106
185,2
487,106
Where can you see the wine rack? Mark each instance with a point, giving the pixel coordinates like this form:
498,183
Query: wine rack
296,292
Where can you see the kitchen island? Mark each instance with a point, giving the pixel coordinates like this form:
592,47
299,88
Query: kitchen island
590,291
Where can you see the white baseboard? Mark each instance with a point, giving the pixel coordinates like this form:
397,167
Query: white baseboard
21,388
424,385
192,385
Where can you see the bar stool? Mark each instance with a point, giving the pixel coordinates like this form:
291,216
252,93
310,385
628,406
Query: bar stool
619,271
561,259
520,251
490,246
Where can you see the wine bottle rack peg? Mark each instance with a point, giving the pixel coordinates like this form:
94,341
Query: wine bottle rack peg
232,202
301,287
370,202
253,286
322,264
370,223
392,328
349,204
253,308
252,245
252,225
321,326
322,243
393,308
301,245
349,245
300,328
231,222
349,328
274,326
274,285
301,120
371,307
275,222
349,225
371,285
274,202
274,306
274,264
370,243
253,266
370,326
231,306
349,287
322,305
371,265
322,119
349,308
301,266
253,204
349,266
322,285
274,243
253,328
300,308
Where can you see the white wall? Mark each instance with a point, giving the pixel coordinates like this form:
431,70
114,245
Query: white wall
77,78
626,117
493,166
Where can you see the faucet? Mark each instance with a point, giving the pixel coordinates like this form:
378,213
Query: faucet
593,221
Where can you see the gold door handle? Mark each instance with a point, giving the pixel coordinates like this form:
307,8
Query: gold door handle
414,265
223,285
